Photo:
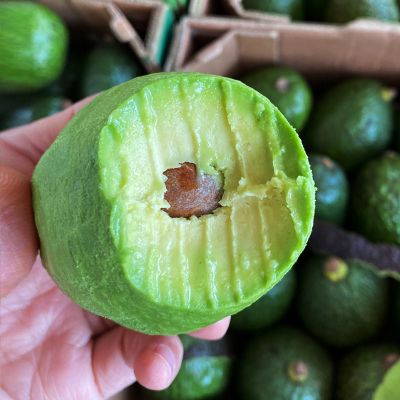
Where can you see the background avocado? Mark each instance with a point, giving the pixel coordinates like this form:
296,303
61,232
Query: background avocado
284,364
342,11
33,43
363,370
332,189
352,122
269,309
108,65
286,89
375,199
341,303
293,8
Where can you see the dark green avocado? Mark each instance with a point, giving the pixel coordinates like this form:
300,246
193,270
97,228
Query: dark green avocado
341,302
293,8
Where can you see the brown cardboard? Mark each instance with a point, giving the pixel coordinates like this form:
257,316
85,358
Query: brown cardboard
143,24
229,46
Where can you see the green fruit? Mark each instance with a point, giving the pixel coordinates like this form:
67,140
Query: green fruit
375,199
29,109
284,364
108,65
332,189
389,388
293,8
363,370
352,122
33,42
133,226
268,309
341,303
341,11
204,373
286,89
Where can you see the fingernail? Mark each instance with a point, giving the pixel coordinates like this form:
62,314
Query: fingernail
166,357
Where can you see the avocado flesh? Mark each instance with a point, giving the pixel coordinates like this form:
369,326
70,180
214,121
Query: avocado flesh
104,237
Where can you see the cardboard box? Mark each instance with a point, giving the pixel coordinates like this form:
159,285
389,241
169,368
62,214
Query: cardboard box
145,25
321,52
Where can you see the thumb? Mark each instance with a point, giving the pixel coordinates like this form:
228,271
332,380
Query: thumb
18,240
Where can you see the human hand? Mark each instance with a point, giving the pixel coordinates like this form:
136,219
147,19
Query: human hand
50,347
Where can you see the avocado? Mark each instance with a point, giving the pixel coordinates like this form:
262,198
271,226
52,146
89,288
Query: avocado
269,309
363,370
293,8
342,11
108,65
282,364
190,197
375,199
342,303
286,89
352,122
332,189
30,108
389,388
33,43
205,371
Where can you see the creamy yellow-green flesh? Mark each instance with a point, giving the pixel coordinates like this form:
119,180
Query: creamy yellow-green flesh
166,275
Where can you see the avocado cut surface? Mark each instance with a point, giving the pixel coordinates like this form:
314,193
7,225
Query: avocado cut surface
99,201
286,89
342,303
284,364
293,8
351,123
33,42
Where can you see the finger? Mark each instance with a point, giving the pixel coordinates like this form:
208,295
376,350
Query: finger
18,240
213,332
22,147
121,356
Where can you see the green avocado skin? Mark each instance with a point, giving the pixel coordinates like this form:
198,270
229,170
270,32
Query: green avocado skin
268,309
33,43
362,371
351,123
294,102
376,199
106,66
293,8
343,313
332,189
263,369
342,11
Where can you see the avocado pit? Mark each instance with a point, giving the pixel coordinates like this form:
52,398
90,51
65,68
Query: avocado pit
189,193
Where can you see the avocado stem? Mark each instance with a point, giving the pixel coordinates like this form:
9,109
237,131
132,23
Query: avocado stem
335,269
298,371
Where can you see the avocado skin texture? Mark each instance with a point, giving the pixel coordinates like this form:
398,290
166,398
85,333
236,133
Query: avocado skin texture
263,369
351,123
342,11
269,309
33,43
108,65
362,371
293,8
332,189
376,199
26,110
343,313
294,102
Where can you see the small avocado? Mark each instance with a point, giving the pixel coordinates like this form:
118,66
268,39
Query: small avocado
342,11
268,309
332,189
352,122
283,364
342,303
293,8
286,89
204,374
363,370
375,199
108,65
33,44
